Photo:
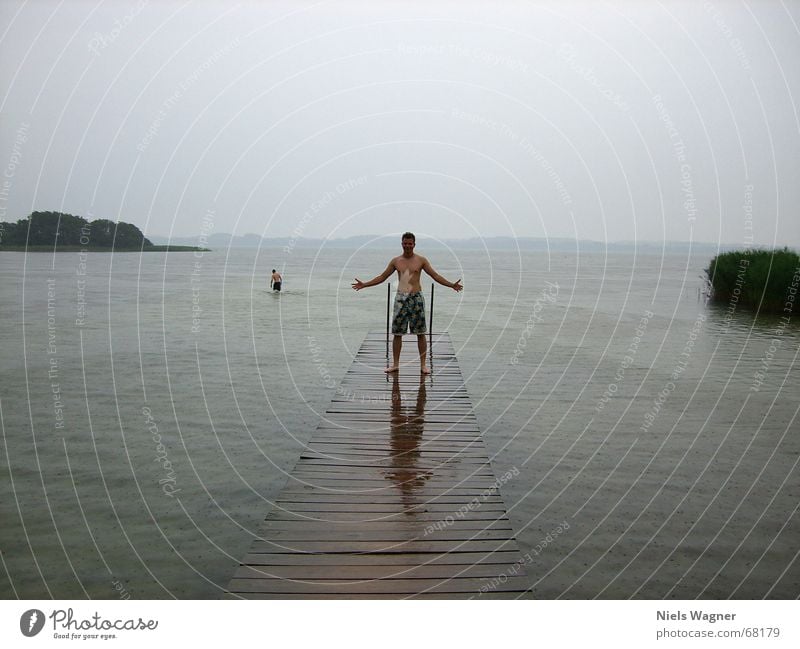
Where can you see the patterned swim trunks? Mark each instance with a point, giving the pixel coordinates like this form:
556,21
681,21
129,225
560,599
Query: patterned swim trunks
409,313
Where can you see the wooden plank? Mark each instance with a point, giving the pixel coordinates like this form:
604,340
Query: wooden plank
397,447
368,517
384,436
432,507
451,499
356,468
395,559
364,478
325,450
390,529
356,465
412,482
391,476
391,535
408,526
399,523
314,573
426,595
380,547
368,586
389,494
320,460
380,430
311,472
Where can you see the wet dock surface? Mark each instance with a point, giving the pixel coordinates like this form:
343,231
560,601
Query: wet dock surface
394,497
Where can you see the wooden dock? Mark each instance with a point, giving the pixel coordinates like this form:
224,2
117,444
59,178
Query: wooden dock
393,498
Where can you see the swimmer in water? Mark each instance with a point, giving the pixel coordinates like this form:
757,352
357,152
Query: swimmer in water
276,281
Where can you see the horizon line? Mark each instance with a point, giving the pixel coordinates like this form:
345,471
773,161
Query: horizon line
497,236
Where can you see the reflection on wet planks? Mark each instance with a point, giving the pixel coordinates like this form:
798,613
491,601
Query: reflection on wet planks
394,497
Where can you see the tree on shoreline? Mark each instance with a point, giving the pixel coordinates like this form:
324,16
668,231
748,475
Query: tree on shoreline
59,229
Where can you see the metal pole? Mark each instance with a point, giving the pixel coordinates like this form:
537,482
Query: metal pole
430,330
388,303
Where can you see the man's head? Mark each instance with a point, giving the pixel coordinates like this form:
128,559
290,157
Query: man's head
409,241
273,270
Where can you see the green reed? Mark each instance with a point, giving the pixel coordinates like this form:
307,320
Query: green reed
758,279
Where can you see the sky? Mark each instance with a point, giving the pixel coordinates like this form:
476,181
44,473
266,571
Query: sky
608,121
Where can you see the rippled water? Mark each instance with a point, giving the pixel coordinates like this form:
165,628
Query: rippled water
152,407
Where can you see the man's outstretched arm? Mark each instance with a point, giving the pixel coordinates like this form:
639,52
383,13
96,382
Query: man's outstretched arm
358,284
456,286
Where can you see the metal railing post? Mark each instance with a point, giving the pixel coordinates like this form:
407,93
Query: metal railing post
388,303
430,330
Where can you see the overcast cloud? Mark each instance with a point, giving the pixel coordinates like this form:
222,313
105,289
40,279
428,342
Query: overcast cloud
605,121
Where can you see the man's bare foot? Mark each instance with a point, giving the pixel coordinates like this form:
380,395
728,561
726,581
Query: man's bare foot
425,370
391,369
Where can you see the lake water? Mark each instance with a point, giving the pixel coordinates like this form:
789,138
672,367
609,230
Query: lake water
152,406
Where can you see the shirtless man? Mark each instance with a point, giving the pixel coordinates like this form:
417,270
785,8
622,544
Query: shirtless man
409,305
276,281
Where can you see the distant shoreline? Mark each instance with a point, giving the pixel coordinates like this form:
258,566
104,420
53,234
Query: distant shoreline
101,249
225,241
